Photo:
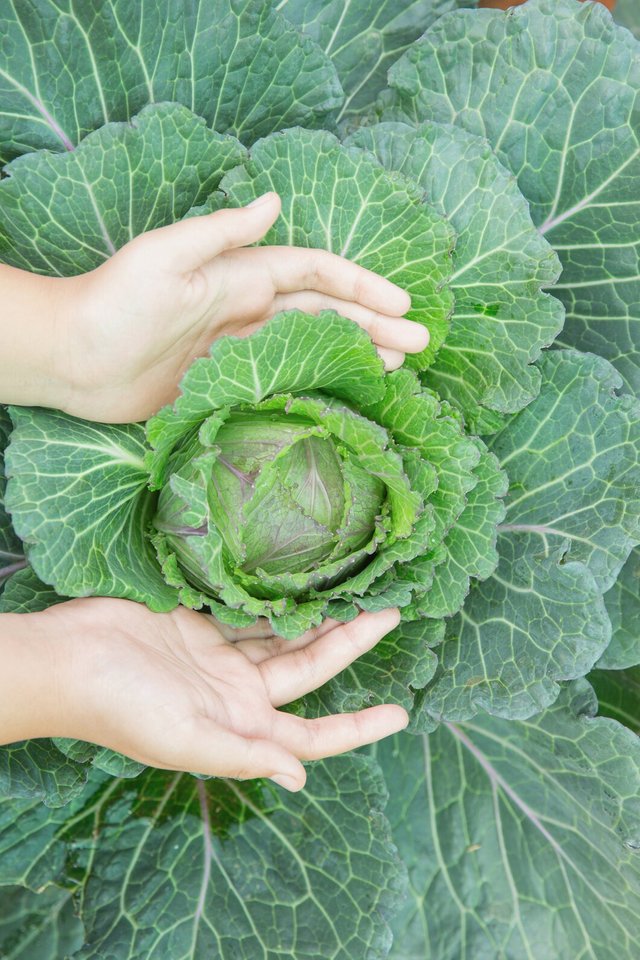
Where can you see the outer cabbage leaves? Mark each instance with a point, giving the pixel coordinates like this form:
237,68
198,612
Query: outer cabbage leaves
577,163
572,518
334,197
84,538
521,838
11,550
626,13
623,606
38,926
401,663
67,213
67,68
25,593
619,695
501,320
170,865
37,769
364,38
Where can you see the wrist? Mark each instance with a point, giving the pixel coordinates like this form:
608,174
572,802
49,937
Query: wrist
83,349
68,296
80,637
35,366
34,687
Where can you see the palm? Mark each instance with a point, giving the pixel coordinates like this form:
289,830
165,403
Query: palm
191,670
170,319
175,692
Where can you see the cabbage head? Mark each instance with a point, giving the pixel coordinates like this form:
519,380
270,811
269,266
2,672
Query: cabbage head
298,481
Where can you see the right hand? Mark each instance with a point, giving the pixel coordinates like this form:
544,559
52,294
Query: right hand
171,691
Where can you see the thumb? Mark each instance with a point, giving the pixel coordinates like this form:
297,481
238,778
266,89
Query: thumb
191,243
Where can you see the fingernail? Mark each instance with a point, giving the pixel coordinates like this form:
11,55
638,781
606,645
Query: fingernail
390,619
260,200
284,780
426,335
421,332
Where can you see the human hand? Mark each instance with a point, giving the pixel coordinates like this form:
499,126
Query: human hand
137,322
172,691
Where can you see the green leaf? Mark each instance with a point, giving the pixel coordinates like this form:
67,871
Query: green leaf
539,619
78,497
338,199
398,665
285,356
364,38
469,548
67,68
573,461
99,757
36,769
618,694
623,607
501,320
33,849
180,867
38,926
572,517
627,14
25,593
67,213
554,87
521,838
11,551
414,417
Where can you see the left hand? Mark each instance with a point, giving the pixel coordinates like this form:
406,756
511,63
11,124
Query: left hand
138,321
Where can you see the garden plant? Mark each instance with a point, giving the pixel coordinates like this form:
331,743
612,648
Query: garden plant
487,162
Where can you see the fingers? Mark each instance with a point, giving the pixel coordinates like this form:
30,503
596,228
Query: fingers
294,269
328,736
189,244
258,642
259,650
293,674
283,739
397,333
260,630
220,753
392,359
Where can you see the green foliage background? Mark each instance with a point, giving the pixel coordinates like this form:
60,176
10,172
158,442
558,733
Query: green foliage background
507,824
